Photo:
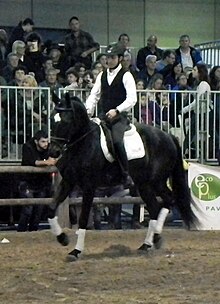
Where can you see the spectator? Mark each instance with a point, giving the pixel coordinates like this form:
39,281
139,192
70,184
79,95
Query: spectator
164,65
3,47
103,60
150,49
56,54
140,84
171,79
72,78
18,48
79,45
80,68
214,76
186,54
156,82
19,72
51,81
88,83
20,31
7,71
149,70
34,56
198,106
26,111
179,100
124,41
35,153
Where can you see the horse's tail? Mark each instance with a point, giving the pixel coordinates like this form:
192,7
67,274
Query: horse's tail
181,190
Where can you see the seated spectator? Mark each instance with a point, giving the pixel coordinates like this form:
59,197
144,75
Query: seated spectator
149,70
35,153
102,59
150,49
20,31
98,66
51,81
80,68
88,83
18,76
124,41
47,64
34,57
187,55
3,48
7,71
26,111
156,82
79,45
140,85
72,78
18,48
58,59
95,73
171,79
164,65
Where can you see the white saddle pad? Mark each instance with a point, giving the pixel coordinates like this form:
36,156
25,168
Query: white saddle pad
132,141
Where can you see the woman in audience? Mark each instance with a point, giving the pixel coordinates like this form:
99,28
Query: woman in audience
171,80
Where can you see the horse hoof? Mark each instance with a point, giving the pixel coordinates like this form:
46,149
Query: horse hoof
73,255
144,247
63,239
157,241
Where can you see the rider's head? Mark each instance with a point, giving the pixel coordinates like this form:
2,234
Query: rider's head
114,53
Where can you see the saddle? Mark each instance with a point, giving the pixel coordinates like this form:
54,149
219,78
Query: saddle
132,141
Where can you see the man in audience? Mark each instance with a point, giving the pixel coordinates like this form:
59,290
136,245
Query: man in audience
150,49
35,153
79,45
187,55
148,70
164,65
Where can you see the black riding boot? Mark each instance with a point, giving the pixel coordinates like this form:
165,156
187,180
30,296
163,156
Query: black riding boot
123,163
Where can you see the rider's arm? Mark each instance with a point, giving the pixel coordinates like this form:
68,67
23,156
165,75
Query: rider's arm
131,94
94,96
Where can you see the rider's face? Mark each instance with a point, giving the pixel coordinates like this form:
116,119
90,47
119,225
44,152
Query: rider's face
113,61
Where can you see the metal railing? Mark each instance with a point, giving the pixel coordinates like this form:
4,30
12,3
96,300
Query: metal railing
198,131
210,52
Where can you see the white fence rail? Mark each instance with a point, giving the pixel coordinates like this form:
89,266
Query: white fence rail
24,110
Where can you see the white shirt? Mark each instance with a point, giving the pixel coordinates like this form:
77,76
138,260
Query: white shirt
203,92
129,84
186,59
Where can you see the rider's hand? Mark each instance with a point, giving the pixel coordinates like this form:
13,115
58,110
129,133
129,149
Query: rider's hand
112,113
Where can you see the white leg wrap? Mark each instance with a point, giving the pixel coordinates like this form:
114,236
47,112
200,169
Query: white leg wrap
54,226
161,219
80,239
150,232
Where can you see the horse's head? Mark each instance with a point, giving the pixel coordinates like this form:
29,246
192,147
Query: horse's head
72,120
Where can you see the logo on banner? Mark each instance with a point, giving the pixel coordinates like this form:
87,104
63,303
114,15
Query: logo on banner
206,187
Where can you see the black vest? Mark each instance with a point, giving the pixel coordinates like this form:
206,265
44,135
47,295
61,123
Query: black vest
112,95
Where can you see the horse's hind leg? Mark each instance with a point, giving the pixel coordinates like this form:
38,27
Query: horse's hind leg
166,195
148,195
60,195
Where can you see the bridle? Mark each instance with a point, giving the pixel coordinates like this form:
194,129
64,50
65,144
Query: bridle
66,141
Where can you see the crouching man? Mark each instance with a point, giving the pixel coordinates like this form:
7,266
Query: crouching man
35,153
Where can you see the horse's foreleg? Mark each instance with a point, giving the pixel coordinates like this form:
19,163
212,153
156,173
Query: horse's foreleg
60,195
88,196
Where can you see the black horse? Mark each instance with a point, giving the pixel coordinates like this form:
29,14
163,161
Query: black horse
83,164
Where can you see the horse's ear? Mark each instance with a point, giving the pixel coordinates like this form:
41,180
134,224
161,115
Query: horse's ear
55,98
68,100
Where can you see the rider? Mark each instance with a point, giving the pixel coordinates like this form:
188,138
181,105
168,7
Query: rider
116,90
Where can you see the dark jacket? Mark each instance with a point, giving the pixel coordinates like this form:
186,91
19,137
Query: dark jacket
195,54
